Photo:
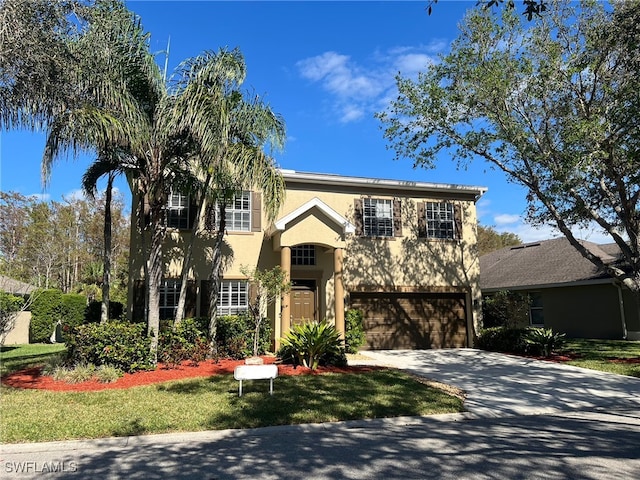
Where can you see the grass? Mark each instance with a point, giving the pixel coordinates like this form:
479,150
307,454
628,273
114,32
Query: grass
605,355
213,403
17,357
206,403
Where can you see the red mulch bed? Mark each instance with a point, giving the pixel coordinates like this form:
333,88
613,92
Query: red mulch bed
33,378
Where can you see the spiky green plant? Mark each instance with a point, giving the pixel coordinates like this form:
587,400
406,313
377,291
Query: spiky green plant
310,343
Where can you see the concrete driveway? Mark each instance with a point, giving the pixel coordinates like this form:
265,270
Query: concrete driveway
499,385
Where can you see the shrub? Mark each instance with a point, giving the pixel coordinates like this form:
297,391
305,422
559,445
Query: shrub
85,372
354,331
93,311
234,336
503,339
73,309
505,309
312,344
543,341
125,346
46,311
185,342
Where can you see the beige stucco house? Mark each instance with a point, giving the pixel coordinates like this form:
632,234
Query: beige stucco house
403,252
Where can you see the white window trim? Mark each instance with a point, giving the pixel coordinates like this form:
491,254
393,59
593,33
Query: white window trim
182,207
371,224
437,232
169,292
232,302
230,212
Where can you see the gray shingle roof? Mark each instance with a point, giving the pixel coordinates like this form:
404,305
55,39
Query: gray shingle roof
541,263
15,287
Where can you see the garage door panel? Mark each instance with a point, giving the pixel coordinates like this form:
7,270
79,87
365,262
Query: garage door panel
412,320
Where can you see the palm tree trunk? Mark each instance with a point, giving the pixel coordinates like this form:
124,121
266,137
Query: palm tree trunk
188,254
154,269
215,277
106,274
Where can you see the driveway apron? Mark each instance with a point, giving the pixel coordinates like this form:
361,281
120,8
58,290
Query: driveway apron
500,385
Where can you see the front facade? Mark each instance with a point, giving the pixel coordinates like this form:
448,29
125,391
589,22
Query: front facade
403,252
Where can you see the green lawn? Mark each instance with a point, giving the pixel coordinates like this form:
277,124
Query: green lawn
614,356
17,357
212,403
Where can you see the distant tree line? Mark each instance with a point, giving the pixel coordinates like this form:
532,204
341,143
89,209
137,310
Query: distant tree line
60,244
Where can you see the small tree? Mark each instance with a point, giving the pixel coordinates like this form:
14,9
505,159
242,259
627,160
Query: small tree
505,308
269,284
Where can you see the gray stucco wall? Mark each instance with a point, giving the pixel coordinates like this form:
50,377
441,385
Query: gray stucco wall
591,311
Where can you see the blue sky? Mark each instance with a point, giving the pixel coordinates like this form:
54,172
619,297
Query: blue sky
326,67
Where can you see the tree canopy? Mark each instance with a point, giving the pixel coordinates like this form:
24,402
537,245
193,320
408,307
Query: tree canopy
553,103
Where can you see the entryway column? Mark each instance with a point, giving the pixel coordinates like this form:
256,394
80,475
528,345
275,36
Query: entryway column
285,319
338,291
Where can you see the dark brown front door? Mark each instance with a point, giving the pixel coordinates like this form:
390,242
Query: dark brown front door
303,301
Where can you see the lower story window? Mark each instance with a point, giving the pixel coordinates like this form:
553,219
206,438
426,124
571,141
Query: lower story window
169,294
233,297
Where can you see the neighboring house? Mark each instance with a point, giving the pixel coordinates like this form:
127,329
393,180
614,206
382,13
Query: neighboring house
15,287
567,292
403,252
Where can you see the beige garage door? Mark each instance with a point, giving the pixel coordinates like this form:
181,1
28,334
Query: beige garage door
412,320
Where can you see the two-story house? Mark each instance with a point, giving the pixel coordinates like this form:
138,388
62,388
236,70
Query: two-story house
403,252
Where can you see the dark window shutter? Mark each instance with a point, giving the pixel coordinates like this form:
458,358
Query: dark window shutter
457,218
357,216
204,298
256,212
422,219
397,218
192,297
139,295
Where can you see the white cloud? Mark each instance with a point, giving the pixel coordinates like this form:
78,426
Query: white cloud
506,219
40,197
528,233
409,65
359,89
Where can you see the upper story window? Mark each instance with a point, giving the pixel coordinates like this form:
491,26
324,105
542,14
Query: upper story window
233,297
440,221
238,213
303,255
377,217
178,210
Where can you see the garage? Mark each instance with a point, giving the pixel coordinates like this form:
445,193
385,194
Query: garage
415,320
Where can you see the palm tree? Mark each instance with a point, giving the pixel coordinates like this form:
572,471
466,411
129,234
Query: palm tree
231,157
109,164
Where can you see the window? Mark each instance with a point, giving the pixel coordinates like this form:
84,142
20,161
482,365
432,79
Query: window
238,213
440,220
536,317
178,210
303,255
169,294
377,217
233,297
